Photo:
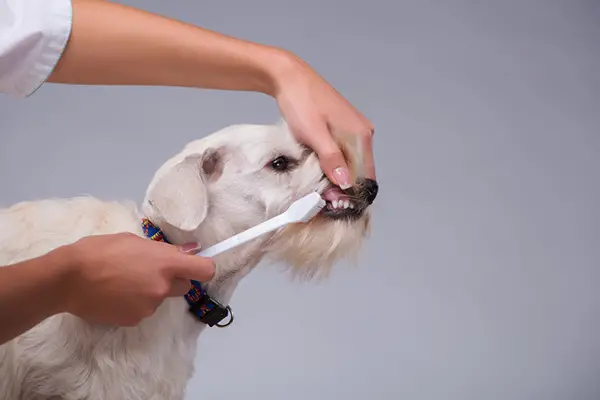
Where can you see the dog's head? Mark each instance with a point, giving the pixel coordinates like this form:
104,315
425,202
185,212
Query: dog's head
245,174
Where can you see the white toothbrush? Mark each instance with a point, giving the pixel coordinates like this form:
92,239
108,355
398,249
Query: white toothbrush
302,210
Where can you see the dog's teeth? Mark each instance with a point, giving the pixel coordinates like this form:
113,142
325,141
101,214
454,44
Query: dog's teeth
335,204
346,203
351,205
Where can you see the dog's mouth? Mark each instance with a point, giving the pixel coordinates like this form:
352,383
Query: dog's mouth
341,205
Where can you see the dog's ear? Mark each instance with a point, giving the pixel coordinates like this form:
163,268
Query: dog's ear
180,196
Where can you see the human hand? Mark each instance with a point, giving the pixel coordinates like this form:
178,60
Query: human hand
164,52
122,278
316,113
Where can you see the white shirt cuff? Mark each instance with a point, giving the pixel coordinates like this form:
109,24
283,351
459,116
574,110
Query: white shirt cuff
33,36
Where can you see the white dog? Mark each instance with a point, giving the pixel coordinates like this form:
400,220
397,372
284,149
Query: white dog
216,187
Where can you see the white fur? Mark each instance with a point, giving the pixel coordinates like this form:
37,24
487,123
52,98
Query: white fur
67,358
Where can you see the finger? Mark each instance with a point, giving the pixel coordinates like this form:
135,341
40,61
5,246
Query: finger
190,248
369,158
190,266
179,287
330,157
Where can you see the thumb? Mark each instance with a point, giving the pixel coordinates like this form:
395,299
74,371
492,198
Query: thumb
331,158
189,248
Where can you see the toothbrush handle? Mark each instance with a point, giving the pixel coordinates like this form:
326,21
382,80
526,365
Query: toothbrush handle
245,236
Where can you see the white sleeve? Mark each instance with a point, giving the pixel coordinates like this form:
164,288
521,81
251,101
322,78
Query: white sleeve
33,36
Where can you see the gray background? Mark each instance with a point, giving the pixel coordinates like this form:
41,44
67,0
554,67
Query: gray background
479,280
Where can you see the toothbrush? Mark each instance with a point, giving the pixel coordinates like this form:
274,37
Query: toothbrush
302,210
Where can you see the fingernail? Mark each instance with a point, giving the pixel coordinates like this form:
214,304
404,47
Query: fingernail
189,247
342,177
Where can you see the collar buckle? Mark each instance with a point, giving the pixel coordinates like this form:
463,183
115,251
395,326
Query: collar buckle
206,309
211,312
203,307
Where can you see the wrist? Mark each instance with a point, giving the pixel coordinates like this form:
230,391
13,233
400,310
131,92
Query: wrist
259,68
281,66
63,266
267,65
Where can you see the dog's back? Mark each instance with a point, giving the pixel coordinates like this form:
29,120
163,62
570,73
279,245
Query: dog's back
66,358
31,228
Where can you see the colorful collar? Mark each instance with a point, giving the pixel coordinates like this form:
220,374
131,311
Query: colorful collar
202,306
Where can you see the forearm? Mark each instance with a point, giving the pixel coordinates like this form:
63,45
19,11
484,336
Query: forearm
112,44
31,291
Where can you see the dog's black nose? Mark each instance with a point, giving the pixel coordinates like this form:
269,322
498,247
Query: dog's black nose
371,188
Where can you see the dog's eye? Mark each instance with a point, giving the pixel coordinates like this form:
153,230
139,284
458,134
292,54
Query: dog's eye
281,163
